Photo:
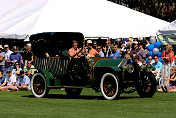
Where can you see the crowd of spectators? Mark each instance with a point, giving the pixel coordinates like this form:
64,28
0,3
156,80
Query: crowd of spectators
16,68
136,50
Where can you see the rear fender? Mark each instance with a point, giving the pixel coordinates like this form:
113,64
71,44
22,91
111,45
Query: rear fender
48,76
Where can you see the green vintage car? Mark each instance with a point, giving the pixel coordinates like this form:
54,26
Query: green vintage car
109,76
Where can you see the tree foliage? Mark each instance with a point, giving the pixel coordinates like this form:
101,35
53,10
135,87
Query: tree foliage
162,9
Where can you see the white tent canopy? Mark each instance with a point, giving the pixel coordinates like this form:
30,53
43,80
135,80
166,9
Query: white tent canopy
168,30
91,17
168,34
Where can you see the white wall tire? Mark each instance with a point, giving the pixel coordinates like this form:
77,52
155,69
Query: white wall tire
109,86
38,85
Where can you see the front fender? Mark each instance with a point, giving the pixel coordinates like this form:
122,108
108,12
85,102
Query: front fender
116,68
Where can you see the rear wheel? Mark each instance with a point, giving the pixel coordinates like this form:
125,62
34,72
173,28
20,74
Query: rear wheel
146,86
38,85
73,92
109,86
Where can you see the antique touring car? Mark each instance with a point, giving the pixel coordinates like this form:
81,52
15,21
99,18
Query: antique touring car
108,76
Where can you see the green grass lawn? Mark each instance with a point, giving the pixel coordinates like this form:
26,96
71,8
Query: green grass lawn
88,105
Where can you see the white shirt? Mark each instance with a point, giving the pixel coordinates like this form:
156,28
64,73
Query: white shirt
7,54
10,80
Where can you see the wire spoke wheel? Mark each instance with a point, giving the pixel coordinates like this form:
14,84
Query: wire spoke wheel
146,86
38,85
109,86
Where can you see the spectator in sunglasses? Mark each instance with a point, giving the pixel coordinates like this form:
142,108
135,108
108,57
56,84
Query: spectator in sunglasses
29,69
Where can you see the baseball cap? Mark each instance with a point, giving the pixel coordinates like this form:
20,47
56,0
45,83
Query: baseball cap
6,46
89,41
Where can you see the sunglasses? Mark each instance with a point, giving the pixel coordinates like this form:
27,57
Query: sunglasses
149,59
155,58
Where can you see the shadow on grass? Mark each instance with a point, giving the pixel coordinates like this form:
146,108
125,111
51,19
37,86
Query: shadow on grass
85,97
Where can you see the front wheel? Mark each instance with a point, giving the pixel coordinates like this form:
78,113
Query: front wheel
38,85
109,86
146,86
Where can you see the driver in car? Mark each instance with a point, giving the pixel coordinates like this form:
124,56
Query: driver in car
74,52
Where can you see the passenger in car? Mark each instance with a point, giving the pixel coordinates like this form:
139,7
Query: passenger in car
115,54
91,51
74,52
99,48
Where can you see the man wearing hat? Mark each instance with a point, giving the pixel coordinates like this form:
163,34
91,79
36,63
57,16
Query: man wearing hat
23,82
91,51
7,51
15,56
2,55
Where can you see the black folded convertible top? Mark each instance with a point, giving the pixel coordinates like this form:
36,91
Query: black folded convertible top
54,42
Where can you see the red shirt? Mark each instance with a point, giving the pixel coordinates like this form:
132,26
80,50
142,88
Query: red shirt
170,55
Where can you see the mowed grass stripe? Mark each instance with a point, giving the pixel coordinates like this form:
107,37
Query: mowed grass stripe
88,105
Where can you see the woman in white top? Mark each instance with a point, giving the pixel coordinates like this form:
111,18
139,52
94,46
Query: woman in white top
9,83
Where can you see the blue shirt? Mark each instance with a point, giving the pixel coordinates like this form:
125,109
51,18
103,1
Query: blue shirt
158,65
23,80
16,57
116,55
101,54
4,69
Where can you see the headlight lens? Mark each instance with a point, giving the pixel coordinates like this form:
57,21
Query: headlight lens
130,68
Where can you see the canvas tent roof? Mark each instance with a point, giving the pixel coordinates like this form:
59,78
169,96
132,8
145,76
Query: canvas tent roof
168,30
168,34
91,17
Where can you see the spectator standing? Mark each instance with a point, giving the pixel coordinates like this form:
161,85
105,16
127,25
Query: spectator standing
168,58
157,64
168,55
23,82
134,49
141,53
108,48
99,48
15,56
26,56
7,51
2,56
29,46
116,53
